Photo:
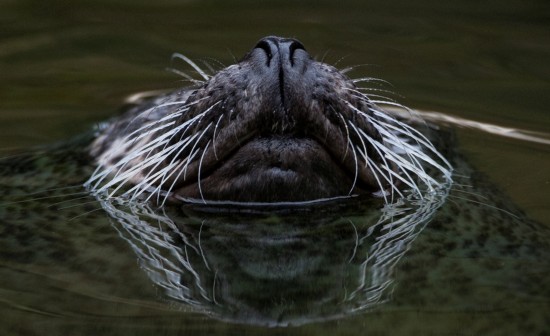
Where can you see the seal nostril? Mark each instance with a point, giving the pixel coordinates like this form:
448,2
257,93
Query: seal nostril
294,45
266,47
281,50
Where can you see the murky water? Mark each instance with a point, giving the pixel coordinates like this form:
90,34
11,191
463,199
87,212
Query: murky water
67,65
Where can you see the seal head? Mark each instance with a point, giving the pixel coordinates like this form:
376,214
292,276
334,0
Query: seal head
282,135
277,126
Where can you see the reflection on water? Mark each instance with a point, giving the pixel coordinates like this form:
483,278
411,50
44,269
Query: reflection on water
69,260
274,271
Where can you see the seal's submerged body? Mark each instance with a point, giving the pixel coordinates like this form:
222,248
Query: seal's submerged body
277,128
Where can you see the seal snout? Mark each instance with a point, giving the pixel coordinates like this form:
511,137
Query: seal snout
282,51
282,63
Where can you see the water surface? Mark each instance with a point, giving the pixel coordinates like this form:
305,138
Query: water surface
67,65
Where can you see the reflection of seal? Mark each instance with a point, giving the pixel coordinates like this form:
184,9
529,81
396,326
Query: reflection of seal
268,270
277,126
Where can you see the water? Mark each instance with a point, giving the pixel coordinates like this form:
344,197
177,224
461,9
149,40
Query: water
67,65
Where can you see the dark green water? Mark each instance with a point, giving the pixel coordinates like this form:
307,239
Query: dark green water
65,65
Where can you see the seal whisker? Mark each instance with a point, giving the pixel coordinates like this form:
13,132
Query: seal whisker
84,214
469,200
138,168
150,124
372,141
356,170
360,139
388,177
218,62
128,142
183,130
404,165
376,172
123,179
401,106
362,135
162,140
191,63
199,172
147,112
370,163
214,137
360,89
184,75
73,205
183,126
478,195
413,167
178,154
388,101
392,139
146,132
413,153
209,66
408,149
181,171
193,148
188,160
150,182
121,164
370,79
348,140
177,113
149,178
182,146
420,138
371,95
173,167
44,198
179,147
360,95
50,190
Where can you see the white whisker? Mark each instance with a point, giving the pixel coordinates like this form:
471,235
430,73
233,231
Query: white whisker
191,63
356,172
214,137
388,179
184,75
186,161
370,79
409,159
199,172
347,134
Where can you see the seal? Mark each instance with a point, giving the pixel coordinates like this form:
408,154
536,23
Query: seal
277,126
445,259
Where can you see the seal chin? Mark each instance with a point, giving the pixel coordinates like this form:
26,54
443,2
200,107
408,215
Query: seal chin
271,169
